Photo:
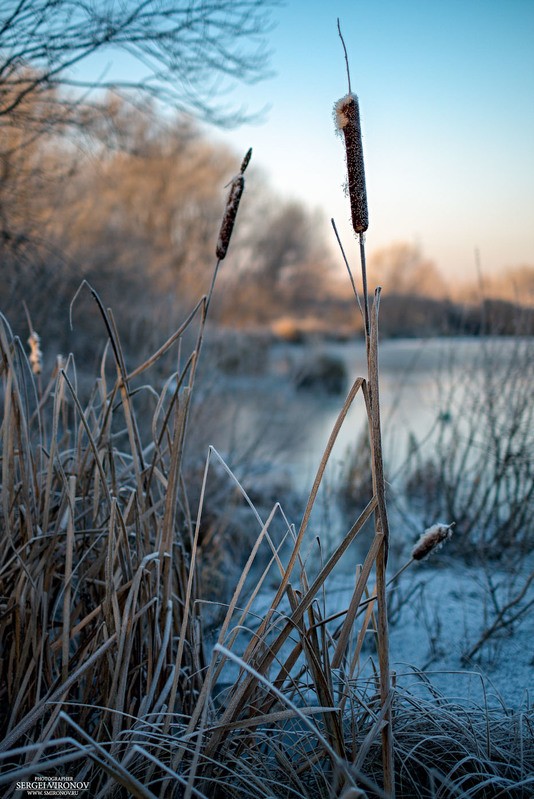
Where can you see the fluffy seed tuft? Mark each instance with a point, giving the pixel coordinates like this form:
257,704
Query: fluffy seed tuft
36,355
433,538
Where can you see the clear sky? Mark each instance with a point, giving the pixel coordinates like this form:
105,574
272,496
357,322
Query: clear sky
446,95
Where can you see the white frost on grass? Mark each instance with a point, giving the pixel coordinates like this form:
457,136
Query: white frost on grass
442,612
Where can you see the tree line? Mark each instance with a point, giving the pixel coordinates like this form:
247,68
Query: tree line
114,182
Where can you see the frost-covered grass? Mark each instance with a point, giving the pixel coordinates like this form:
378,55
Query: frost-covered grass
106,672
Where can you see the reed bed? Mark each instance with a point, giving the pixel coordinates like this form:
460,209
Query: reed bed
101,609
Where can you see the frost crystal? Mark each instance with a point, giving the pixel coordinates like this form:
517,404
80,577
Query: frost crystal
340,110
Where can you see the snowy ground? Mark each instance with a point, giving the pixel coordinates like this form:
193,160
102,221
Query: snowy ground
437,614
441,615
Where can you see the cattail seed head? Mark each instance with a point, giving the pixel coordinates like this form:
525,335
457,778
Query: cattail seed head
347,116
36,355
433,538
230,213
228,222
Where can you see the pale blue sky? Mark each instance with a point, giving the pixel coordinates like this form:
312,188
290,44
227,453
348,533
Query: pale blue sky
446,95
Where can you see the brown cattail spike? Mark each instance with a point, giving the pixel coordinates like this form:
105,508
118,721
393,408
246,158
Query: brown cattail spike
36,356
434,537
232,205
347,113
246,160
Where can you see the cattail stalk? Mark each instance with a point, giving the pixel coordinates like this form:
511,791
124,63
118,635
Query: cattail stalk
347,117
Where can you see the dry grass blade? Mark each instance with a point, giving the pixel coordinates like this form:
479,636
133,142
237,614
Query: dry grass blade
340,764
166,770
68,577
28,721
312,498
109,764
382,527
355,602
241,695
217,664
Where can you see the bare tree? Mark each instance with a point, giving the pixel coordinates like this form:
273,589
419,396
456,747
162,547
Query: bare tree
189,51
401,268
285,257
186,54
137,215
154,199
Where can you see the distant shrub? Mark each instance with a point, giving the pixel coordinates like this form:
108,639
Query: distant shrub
478,469
324,373
288,330
238,353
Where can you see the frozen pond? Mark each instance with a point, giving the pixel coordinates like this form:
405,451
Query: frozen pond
266,415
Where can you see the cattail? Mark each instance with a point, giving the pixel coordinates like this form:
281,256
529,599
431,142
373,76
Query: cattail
347,115
36,355
433,538
232,205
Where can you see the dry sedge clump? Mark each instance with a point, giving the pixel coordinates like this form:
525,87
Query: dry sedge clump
36,355
347,116
232,205
432,538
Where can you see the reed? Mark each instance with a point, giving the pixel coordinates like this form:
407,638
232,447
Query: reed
347,115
